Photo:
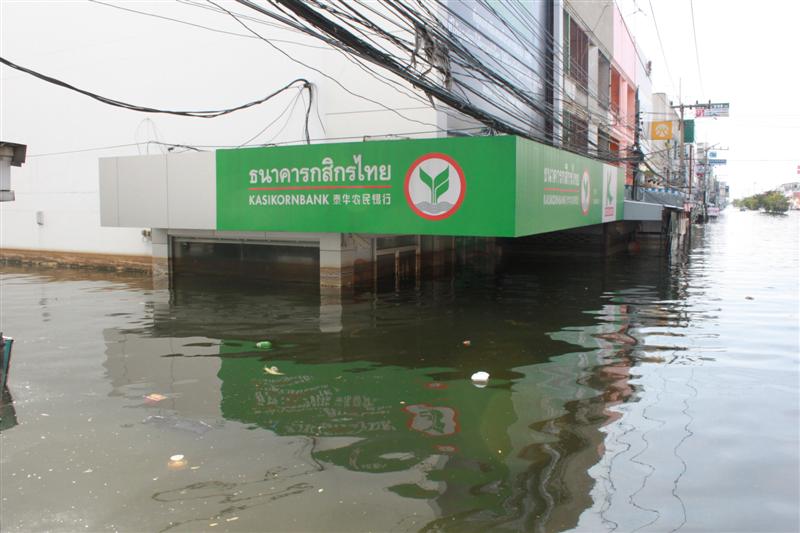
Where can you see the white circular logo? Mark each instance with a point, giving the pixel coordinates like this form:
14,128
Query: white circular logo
586,192
435,186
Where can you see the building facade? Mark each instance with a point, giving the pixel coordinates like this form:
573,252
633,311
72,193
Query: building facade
565,74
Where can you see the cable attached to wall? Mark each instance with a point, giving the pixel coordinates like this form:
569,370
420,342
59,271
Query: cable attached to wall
305,84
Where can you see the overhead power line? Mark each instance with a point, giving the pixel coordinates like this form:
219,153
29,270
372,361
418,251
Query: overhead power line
513,108
310,67
696,51
199,26
305,84
661,44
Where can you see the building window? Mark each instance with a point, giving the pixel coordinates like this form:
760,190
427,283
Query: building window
565,42
578,54
603,81
576,133
615,82
604,149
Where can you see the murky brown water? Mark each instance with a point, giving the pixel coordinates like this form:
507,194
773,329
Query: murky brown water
630,395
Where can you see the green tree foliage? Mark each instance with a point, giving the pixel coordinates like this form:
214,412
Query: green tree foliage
771,202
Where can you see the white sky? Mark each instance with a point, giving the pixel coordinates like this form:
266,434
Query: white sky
747,52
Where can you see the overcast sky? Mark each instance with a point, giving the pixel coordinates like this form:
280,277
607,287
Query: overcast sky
746,51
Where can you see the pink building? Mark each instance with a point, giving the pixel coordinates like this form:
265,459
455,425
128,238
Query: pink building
623,90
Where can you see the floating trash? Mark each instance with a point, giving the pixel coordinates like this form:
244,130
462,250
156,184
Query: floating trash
197,427
467,343
273,370
155,397
177,462
749,298
480,379
264,345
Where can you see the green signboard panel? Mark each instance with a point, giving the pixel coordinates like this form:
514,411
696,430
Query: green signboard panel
477,186
558,190
688,131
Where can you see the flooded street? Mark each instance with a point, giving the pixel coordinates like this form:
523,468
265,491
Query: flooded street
634,394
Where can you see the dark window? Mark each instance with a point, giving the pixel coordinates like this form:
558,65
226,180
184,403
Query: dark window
576,133
603,81
578,54
604,149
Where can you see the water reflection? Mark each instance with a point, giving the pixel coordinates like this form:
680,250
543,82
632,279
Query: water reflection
8,415
625,395
388,394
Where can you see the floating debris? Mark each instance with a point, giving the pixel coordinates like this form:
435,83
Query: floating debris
264,345
273,370
197,427
177,462
749,298
155,397
480,379
467,343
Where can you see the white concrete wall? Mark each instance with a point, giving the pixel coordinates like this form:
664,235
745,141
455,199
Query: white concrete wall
163,64
597,19
159,191
65,191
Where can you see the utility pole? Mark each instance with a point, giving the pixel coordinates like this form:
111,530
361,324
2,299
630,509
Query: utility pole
682,165
638,155
709,110
691,169
705,187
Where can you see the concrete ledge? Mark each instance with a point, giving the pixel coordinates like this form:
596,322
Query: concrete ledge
642,211
59,259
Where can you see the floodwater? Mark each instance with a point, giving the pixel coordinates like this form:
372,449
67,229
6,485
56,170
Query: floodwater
637,394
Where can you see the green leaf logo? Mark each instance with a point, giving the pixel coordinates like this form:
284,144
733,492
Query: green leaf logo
427,180
440,184
437,185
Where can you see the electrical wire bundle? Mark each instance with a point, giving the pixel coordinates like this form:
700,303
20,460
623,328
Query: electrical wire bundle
490,65
435,47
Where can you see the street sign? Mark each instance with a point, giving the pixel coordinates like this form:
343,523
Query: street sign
688,131
717,161
661,130
712,110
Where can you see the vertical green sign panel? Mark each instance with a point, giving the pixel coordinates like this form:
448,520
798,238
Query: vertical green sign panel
688,131
451,186
559,190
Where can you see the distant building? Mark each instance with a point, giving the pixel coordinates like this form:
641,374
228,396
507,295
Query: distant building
791,191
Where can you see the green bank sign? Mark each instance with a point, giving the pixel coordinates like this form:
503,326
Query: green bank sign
473,186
